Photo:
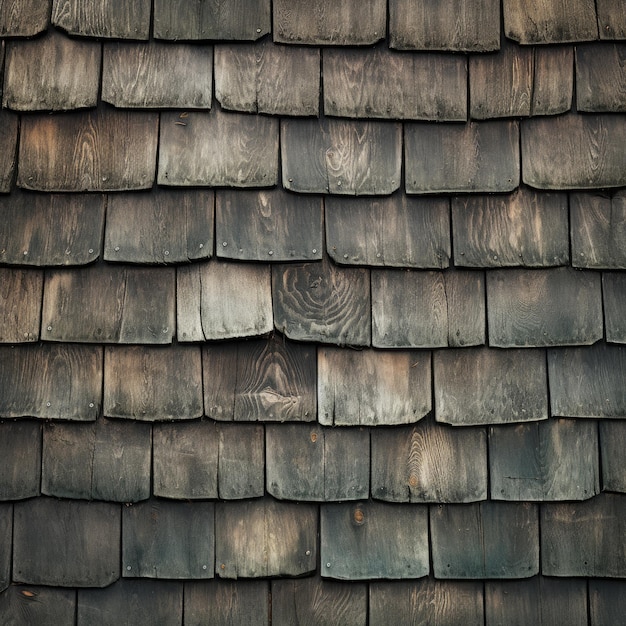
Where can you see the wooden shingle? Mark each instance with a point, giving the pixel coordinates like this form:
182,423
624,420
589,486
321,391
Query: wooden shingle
607,601
24,18
601,77
6,537
38,605
20,451
613,454
553,82
611,19
20,304
8,145
614,294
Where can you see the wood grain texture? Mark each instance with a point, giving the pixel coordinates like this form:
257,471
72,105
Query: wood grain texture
451,25
6,540
363,388
8,145
484,386
20,451
475,157
66,543
613,454
607,601
320,302
324,22
21,293
525,228
268,225
611,19
51,381
24,18
368,540
551,307
99,150
109,304
268,78
397,231
241,466
614,295
218,149
164,226
382,83
37,605
143,382
553,84
601,77
341,156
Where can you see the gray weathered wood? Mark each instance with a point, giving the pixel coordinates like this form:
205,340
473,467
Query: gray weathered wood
21,293
361,388
320,302
157,75
218,149
613,454
601,77
346,464
486,386
99,150
381,83
165,539
241,465
6,542
24,18
553,84
396,231
607,602
20,451
261,538
345,157
475,157
66,543
552,460
429,462
548,307
268,225
8,144
37,605
163,226
109,304
611,19
614,295
267,78
51,381
524,228
368,540
585,538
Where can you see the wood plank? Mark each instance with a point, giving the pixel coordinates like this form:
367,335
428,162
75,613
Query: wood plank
344,157
20,451
57,85
24,18
324,22
607,602
268,78
51,381
485,386
66,543
552,460
157,75
21,292
37,605
429,462
98,150
613,454
525,228
382,83
611,19
614,295
143,382
367,540
475,157
320,302
8,145
549,307
164,226
553,85
218,149
6,540
109,304
601,77
241,466
268,225
396,231
367,387
261,538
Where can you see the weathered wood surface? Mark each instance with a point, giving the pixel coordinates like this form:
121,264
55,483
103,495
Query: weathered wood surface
37,605
548,307
525,228
6,541
218,149
261,538
475,157
182,19
109,304
485,386
157,75
99,150
611,19
101,460
66,543
601,77
367,387
20,304
607,601
268,78
345,157
241,465
381,83
268,225
164,226
69,78
8,144
51,381
324,22
614,294
553,82
429,462
320,302
585,538
165,539
218,300
397,231
552,460
20,451
613,454
367,540
24,18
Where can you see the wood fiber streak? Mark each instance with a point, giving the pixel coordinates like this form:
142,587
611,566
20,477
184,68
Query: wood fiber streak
241,468
613,454
37,605
601,77
553,83
24,18
8,144
611,19
614,294
20,304
607,601
20,451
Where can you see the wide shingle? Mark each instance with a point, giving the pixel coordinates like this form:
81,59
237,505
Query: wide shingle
601,77
20,304
37,605
20,450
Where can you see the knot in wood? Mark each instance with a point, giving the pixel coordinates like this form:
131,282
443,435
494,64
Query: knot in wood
359,516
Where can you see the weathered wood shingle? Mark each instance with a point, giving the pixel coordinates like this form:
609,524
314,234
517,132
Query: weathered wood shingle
601,77
8,145
24,18
20,305
20,449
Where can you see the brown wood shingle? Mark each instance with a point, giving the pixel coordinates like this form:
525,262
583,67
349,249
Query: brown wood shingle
20,305
24,18
611,19
20,450
601,77
8,145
